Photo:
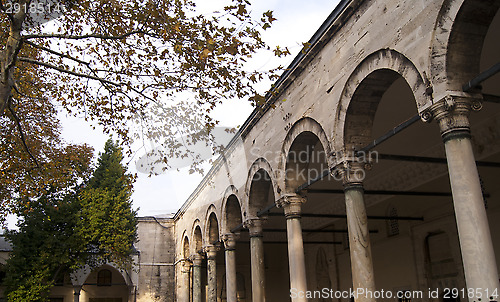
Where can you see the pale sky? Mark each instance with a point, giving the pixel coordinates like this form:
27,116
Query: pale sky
164,194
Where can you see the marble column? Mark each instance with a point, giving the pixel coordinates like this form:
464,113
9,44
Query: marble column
185,279
292,205
230,251
478,256
211,252
76,293
254,225
363,280
131,293
197,259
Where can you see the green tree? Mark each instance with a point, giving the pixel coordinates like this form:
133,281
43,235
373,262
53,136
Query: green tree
107,221
150,69
87,224
46,244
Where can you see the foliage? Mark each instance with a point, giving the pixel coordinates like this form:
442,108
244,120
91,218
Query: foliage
149,69
107,222
45,244
62,231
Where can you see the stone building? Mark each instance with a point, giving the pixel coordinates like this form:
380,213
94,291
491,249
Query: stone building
373,168
374,165
151,278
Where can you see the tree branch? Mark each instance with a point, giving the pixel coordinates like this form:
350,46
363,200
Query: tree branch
21,133
77,74
16,88
89,36
57,53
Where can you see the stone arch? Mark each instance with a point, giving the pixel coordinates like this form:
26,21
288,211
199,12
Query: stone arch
212,228
260,174
231,210
196,237
459,34
305,133
363,91
186,252
79,276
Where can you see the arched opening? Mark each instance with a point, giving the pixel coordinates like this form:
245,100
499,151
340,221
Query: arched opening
261,198
232,213
197,239
468,54
105,284
261,193
306,160
185,248
213,230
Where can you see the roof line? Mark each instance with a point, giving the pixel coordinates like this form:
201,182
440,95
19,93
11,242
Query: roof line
270,98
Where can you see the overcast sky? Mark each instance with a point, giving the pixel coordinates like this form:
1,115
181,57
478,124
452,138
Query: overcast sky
164,194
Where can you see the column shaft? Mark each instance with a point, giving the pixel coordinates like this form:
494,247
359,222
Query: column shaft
452,114
475,240
186,284
230,248
296,259
292,205
359,243
76,293
197,280
258,269
212,274
231,276
212,280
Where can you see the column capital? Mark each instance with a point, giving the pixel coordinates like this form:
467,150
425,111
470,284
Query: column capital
229,240
352,172
211,251
452,114
292,205
254,226
77,289
186,266
196,259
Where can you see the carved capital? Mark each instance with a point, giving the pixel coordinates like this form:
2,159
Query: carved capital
352,172
254,225
196,259
211,251
186,266
229,241
452,114
292,205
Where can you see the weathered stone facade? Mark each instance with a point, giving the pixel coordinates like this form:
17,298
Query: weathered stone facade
402,212
320,190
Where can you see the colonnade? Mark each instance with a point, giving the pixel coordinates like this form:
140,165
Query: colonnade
479,262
